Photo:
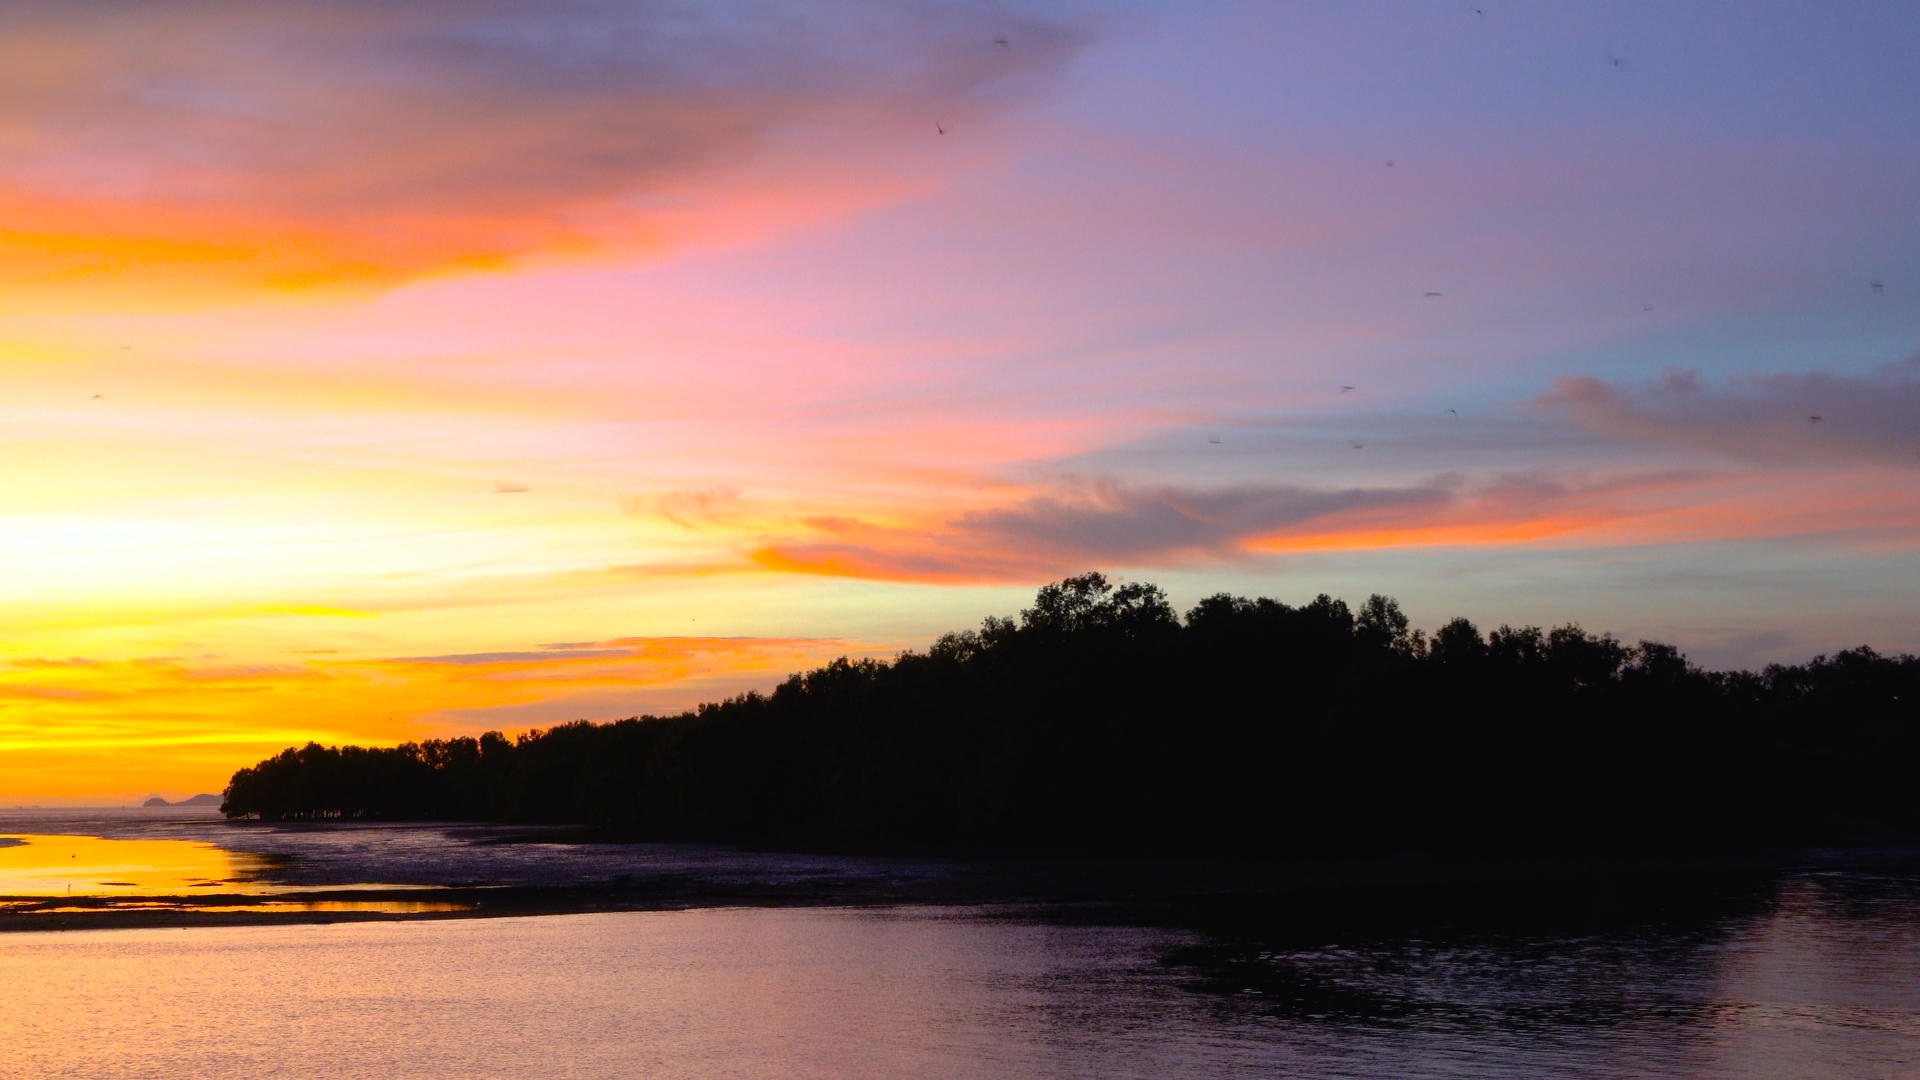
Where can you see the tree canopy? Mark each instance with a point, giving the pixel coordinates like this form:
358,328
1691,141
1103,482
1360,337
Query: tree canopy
1099,720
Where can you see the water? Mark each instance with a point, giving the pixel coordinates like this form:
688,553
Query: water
1810,975
38,864
298,855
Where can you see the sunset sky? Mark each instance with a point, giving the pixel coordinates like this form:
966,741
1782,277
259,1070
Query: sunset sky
381,371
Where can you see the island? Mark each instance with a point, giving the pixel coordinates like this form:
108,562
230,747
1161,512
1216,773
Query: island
206,799
1100,721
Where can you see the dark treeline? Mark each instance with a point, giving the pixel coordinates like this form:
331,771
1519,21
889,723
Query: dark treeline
1101,721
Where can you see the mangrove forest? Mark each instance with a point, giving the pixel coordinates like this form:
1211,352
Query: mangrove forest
1100,720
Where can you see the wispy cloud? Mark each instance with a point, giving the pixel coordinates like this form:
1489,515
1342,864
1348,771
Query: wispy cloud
321,610
644,659
1081,523
1107,521
1112,524
1778,419
689,509
542,656
302,141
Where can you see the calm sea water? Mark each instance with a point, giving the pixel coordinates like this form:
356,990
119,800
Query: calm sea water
1816,976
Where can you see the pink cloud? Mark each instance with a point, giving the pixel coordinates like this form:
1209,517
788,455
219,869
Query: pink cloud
295,142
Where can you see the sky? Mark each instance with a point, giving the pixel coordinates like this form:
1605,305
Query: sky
381,372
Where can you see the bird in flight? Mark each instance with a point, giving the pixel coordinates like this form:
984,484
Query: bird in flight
1877,285
1357,445
1430,294
98,397
1001,40
502,487
1213,439
1346,389
1618,64
1455,412
1389,164
1816,419
941,128
1649,307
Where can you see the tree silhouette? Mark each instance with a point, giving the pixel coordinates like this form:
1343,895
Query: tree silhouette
1099,720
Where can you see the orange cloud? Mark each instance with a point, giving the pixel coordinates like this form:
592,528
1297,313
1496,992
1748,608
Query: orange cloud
299,143
1116,525
1659,508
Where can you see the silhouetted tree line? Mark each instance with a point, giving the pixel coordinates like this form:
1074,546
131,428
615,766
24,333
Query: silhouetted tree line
1101,721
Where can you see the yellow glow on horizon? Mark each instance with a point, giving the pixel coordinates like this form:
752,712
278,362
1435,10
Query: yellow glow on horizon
69,726
62,865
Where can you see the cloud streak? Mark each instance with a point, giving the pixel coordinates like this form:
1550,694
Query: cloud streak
297,142
1765,418
1112,524
1100,522
1111,521
692,509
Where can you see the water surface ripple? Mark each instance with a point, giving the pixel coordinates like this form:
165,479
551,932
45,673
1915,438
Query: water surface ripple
1817,975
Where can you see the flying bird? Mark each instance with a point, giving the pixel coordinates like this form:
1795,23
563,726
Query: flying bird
1455,412
1389,164
941,128
1877,285
1618,64
501,487
1816,419
98,397
1213,438
1345,389
1001,40
1430,294
1358,445
1649,307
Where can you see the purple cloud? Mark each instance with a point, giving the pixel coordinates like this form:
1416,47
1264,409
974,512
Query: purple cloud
1777,419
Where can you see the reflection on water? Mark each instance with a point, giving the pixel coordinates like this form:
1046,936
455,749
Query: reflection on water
91,875
1816,976
1831,975
390,907
396,854
44,864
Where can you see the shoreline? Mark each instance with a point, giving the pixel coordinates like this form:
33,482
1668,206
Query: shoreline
1381,892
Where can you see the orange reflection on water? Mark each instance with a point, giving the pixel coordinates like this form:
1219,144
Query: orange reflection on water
34,864
390,907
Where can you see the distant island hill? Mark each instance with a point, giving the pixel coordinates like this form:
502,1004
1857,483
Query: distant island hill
193,800
1099,720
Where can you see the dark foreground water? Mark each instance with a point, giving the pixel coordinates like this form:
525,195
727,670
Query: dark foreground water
1812,974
